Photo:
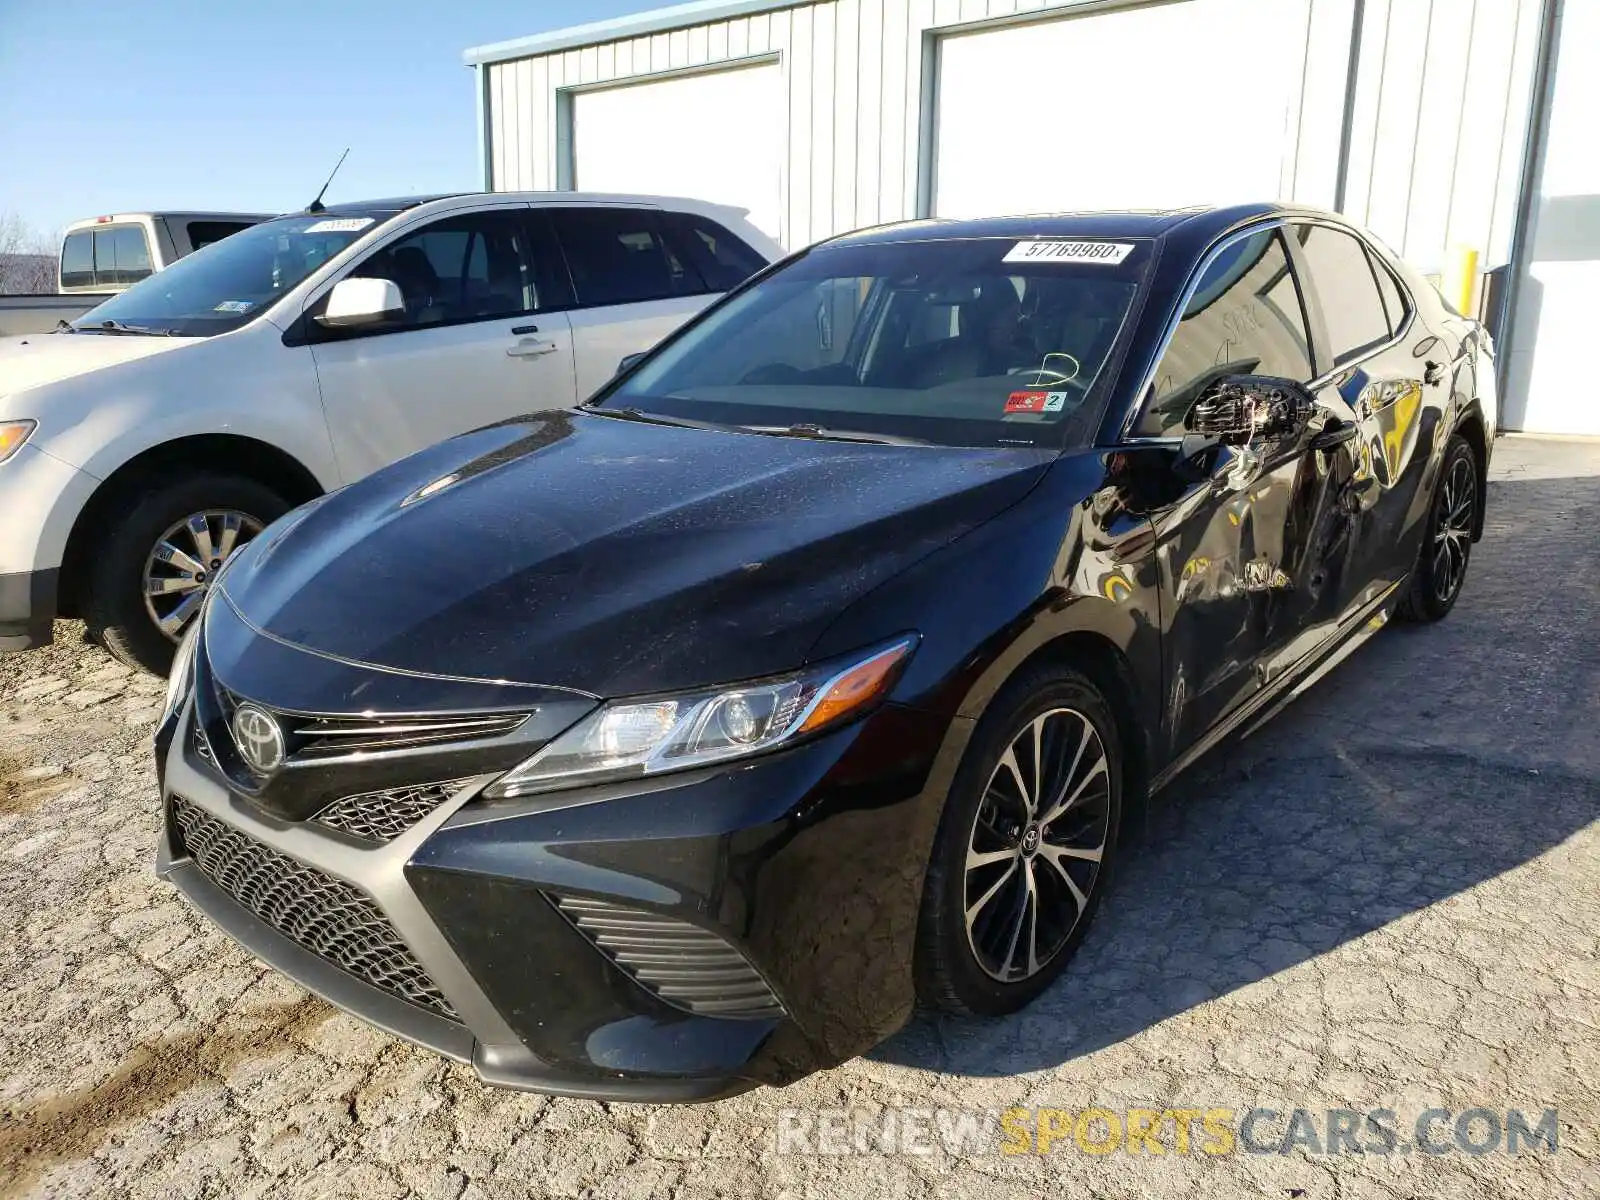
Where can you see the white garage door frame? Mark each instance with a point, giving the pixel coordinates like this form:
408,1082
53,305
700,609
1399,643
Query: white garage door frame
565,115
933,40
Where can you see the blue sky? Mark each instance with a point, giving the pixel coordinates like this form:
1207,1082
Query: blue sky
225,104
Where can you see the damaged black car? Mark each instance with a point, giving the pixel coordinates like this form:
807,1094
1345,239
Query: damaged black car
687,740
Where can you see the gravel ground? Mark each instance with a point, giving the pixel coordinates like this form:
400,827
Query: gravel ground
1387,899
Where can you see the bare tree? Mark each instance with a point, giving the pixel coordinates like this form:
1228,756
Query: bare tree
27,258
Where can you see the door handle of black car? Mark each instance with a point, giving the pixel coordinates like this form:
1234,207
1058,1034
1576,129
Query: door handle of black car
1335,434
1432,374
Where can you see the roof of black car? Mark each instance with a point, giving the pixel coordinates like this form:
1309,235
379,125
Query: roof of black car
1197,222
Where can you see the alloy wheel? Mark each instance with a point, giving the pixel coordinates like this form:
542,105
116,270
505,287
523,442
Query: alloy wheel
1452,541
185,559
1037,840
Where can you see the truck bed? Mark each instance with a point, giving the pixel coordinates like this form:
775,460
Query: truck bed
40,314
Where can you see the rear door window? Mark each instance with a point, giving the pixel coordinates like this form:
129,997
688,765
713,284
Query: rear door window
722,260
620,256
1342,275
1394,302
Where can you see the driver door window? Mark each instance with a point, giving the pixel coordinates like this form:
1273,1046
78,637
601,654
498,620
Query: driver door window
477,341
1245,318
478,267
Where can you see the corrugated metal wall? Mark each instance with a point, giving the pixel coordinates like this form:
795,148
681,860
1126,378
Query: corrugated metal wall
1439,121
1436,130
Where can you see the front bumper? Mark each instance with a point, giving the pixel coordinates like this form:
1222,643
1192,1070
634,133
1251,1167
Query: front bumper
27,608
806,865
41,498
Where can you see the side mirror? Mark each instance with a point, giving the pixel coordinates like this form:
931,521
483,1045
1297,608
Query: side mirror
1243,408
630,360
355,303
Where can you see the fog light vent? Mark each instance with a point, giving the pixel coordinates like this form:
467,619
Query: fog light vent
688,967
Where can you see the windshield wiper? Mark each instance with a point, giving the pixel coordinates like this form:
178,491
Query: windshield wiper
801,430
649,418
117,327
805,429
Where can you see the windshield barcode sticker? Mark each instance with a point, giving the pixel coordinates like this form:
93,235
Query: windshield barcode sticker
339,225
1047,250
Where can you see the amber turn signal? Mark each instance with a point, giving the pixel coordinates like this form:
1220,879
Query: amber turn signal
861,685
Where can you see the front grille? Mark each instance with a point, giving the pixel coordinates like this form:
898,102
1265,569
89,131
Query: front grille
330,918
313,738
383,816
332,737
688,967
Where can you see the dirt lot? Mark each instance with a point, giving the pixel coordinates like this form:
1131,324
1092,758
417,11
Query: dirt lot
1388,900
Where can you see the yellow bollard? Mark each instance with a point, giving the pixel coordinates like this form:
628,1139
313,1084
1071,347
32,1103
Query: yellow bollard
1461,278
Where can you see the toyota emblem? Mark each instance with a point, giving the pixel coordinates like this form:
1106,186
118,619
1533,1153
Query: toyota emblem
259,739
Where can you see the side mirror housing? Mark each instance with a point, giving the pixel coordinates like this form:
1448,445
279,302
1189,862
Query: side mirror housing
629,361
354,303
1242,408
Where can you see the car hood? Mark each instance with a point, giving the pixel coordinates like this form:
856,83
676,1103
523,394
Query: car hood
611,556
35,359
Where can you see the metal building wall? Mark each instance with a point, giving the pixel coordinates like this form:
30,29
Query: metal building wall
1439,121
1431,135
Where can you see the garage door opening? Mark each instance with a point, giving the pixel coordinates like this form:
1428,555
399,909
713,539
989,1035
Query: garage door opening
1156,107
714,135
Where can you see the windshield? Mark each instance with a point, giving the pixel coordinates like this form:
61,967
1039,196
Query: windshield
971,342
231,281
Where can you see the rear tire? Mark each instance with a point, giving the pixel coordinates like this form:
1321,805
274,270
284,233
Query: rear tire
114,608
998,852
1441,567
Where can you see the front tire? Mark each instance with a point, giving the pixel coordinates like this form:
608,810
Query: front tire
153,566
1442,561
1023,849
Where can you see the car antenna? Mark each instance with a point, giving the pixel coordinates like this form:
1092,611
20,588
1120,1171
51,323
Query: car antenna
316,205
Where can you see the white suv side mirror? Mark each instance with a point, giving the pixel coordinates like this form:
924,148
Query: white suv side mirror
356,302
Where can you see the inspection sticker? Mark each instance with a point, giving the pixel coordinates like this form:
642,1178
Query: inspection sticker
1035,402
339,225
1052,250
235,306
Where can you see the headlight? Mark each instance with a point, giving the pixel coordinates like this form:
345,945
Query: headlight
182,676
12,435
627,739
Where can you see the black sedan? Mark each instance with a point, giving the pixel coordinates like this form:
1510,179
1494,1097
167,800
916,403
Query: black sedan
687,740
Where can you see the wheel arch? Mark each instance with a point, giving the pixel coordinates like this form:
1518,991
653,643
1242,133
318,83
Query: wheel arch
1107,667
1474,429
1098,657
250,457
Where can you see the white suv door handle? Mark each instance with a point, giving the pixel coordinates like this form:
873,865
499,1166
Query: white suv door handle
528,348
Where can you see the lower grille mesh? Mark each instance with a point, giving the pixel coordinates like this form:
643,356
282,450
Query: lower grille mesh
383,816
328,917
688,967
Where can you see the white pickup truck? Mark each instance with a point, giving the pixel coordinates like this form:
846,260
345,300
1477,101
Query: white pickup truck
105,255
144,444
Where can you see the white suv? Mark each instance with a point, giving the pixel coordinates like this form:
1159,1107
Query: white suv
168,426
